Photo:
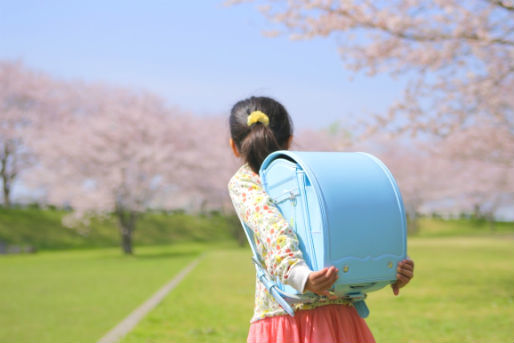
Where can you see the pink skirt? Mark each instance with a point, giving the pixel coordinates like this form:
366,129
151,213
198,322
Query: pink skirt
325,324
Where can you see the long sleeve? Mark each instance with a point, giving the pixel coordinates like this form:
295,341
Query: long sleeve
274,238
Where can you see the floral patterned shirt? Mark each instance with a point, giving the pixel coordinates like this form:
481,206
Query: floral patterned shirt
275,241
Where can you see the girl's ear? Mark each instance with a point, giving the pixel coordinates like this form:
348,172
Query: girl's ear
234,148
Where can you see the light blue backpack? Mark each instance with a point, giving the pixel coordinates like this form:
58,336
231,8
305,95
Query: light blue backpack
347,212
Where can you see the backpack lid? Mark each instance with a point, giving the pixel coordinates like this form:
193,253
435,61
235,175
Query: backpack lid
361,208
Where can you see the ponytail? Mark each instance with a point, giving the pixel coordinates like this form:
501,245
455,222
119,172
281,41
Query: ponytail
259,143
259,126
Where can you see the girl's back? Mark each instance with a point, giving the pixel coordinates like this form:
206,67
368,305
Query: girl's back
260,126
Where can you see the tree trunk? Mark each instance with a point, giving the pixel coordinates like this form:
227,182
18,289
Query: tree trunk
6,180
126,241
476,212
7,193
126,224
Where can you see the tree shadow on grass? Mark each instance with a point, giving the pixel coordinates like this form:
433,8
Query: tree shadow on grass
166,254
153,255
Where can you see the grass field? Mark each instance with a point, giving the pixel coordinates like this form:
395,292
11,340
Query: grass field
437,227
77,296
213,304
463,291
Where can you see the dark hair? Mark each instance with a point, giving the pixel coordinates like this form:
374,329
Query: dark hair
257,141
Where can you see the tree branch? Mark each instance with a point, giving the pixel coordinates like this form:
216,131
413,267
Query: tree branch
502,4
433,37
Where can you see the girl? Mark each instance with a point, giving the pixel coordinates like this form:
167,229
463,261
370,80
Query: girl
258,127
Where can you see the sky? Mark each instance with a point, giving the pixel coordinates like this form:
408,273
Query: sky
201,56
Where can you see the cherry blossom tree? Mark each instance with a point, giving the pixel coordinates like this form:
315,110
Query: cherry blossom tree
105,150
333,138
486,180
26,102
460,55
212,163
450,175
115,151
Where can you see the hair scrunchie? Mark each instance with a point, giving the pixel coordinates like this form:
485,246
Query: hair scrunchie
258,117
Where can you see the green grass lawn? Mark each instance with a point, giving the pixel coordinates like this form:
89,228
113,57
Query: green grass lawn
438,227
213,304
463,291
77,296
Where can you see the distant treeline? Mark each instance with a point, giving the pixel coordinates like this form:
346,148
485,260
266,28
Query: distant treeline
26,229
30,228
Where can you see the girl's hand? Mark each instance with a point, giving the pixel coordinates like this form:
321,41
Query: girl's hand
321,281
404,273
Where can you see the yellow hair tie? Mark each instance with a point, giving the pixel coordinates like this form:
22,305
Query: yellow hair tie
258,116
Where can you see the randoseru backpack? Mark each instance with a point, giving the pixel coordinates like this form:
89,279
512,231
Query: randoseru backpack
347,211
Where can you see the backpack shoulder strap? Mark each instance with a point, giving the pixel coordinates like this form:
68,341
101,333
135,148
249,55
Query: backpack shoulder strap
262,273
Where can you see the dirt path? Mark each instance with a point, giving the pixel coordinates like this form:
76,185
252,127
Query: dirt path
127,324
